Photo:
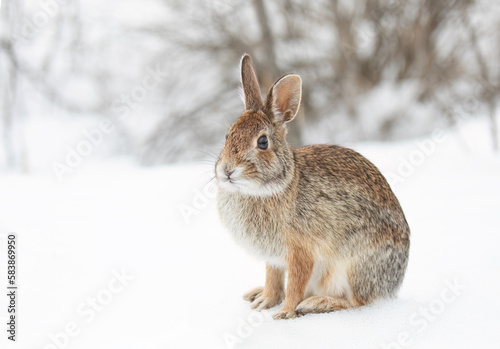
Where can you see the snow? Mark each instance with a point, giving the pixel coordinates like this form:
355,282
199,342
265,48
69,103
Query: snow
114,218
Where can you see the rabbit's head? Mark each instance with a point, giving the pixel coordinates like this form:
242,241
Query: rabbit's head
256,159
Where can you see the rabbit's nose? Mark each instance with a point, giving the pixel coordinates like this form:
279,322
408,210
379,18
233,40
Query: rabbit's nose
228,173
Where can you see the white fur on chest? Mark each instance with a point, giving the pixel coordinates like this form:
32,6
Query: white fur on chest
254,232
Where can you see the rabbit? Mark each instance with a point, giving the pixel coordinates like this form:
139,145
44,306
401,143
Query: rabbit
322,213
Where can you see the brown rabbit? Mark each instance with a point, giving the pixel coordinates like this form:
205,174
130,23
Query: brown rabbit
323,213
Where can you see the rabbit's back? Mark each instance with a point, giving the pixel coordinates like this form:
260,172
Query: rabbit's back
347,170
344,201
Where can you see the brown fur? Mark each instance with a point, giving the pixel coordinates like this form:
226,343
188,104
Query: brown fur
300,266
275,282
324,213
253,99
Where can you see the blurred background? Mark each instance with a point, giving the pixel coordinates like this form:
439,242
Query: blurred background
112,114
163,75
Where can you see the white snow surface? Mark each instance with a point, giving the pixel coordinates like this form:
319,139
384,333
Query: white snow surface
189,276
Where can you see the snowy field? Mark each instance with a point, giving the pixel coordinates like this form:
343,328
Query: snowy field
119,256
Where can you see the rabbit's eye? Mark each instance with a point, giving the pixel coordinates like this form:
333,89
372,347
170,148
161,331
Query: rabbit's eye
262,142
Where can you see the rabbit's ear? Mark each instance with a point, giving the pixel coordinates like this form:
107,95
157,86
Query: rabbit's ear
284,98
251,89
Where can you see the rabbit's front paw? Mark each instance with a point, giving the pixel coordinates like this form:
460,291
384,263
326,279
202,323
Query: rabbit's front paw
260,300
283,315
265,302
253,293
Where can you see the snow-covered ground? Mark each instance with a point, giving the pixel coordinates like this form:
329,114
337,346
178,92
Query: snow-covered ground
119,256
